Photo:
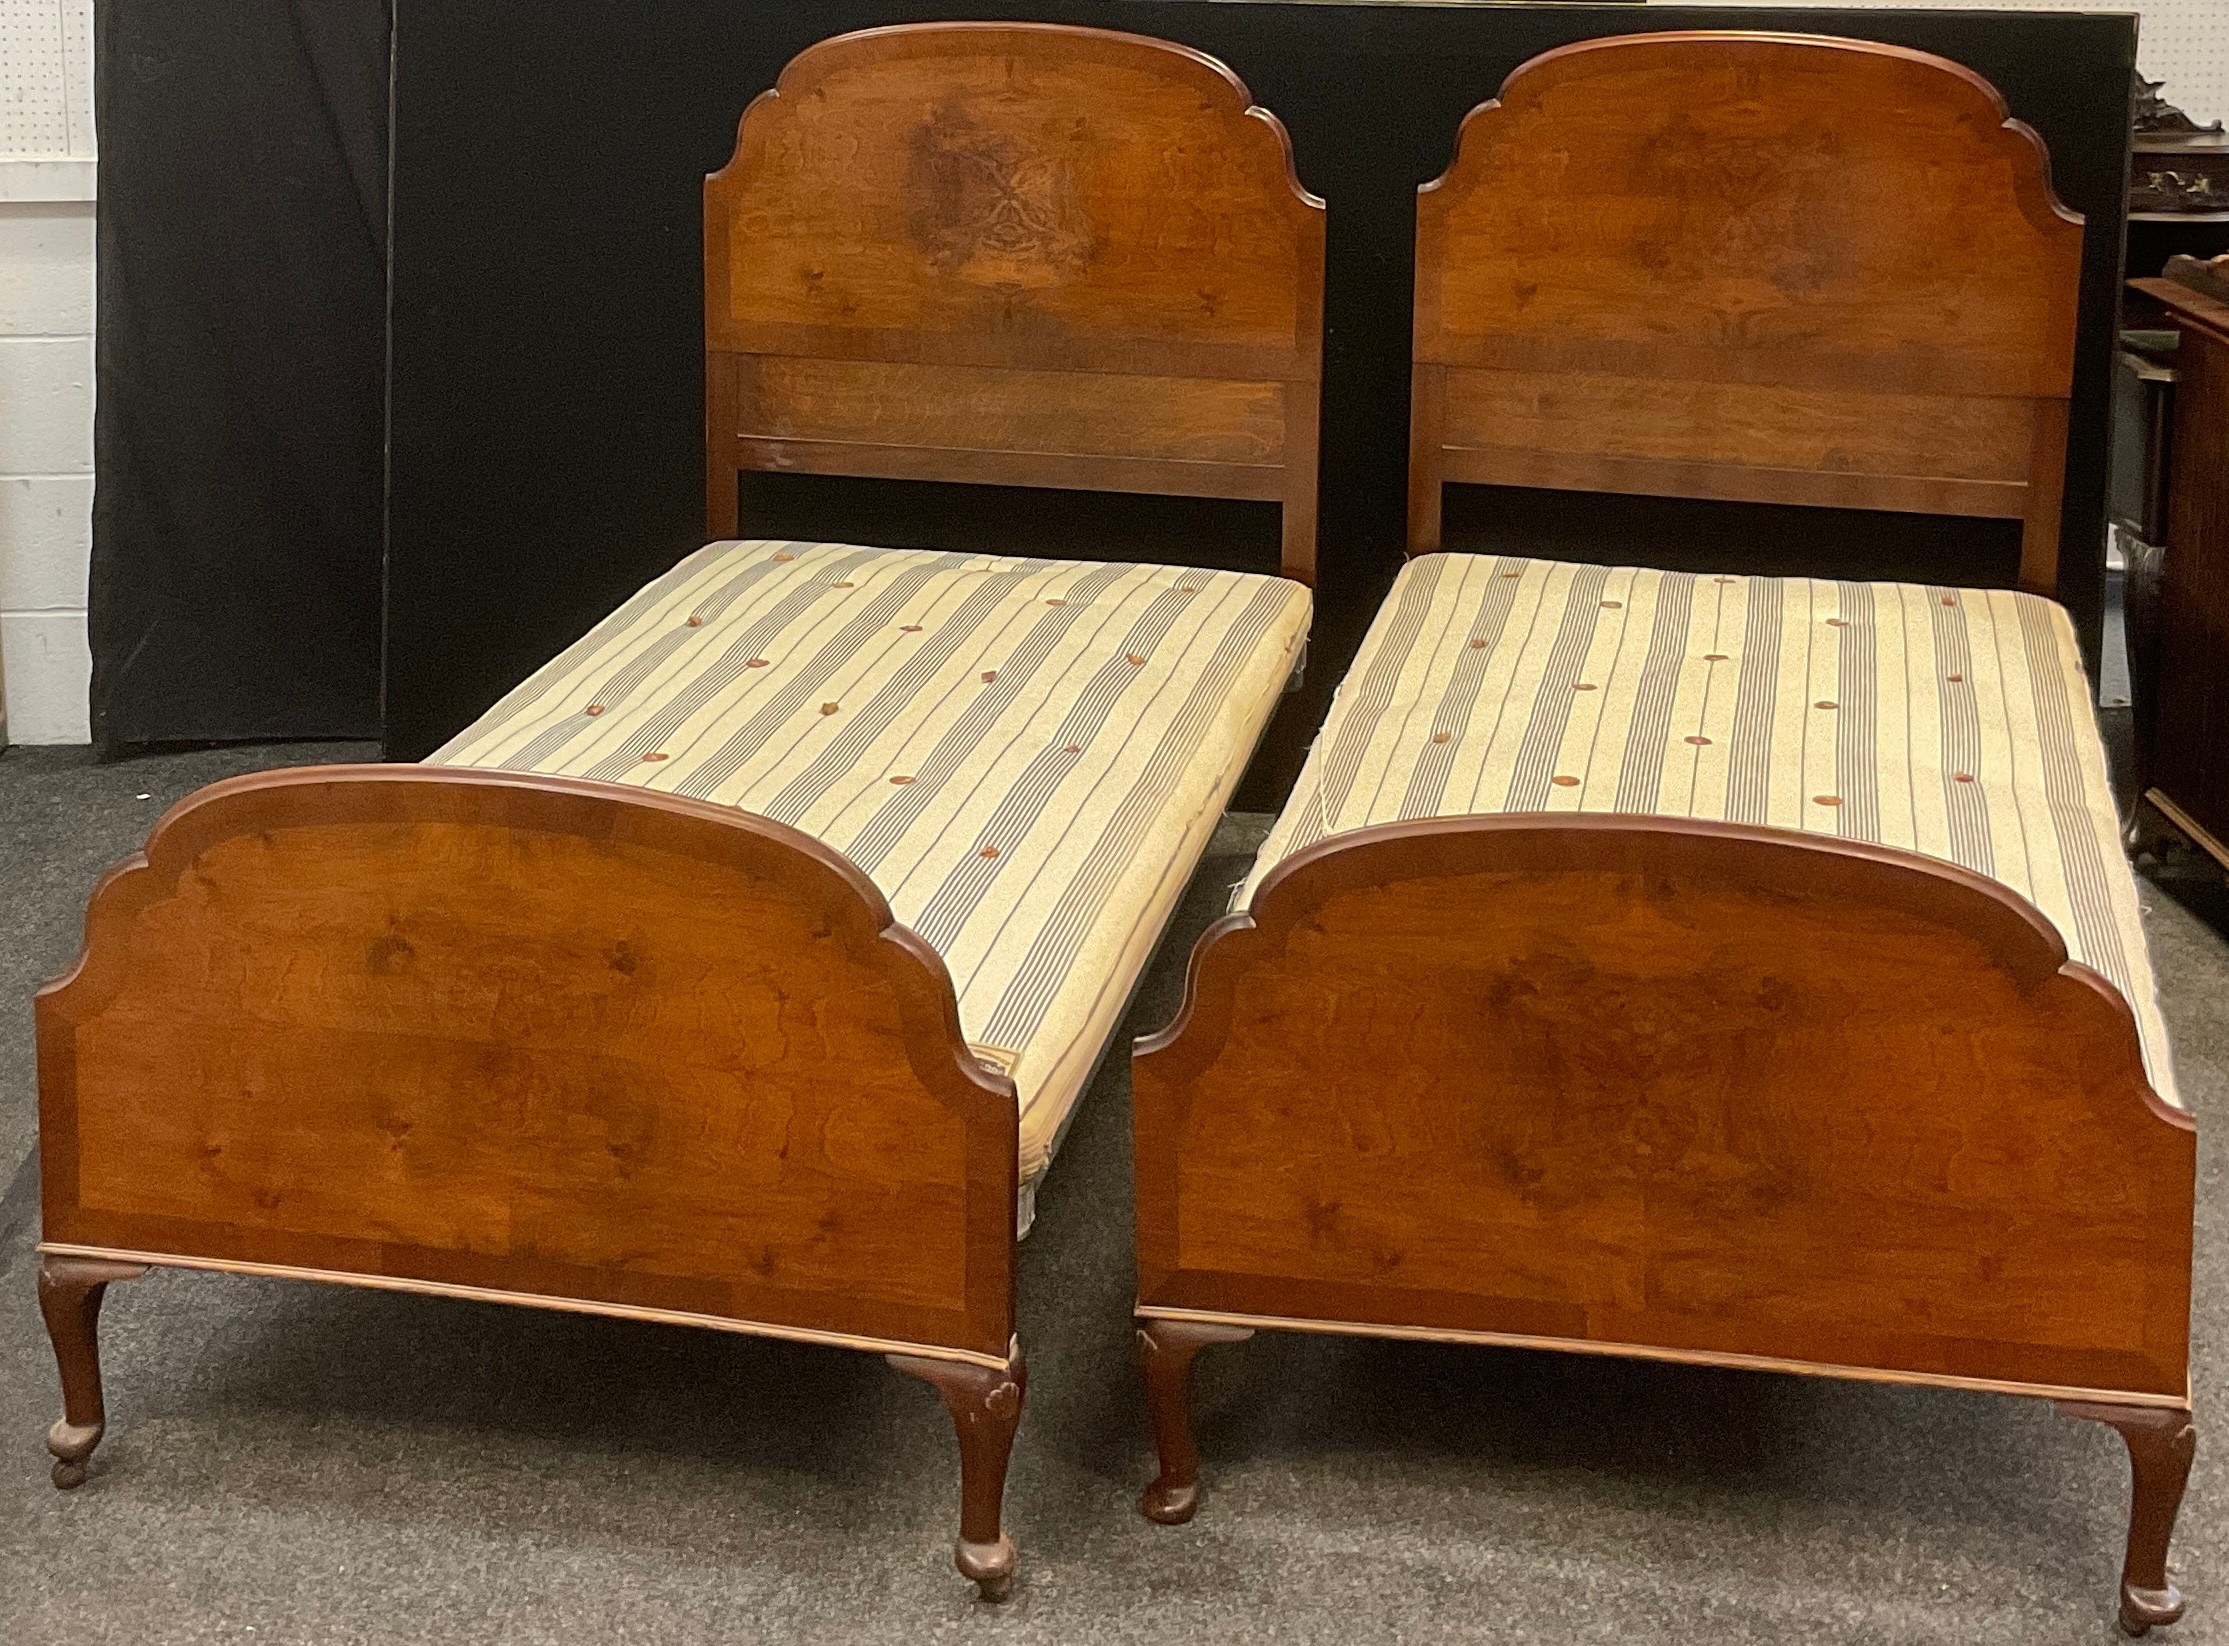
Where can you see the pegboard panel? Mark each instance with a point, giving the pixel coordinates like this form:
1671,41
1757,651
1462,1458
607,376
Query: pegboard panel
46,77
2183,42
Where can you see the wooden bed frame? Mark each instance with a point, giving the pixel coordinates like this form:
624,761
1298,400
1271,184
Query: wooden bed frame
1694,1091
539,1040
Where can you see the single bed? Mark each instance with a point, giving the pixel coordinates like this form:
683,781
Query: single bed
742,967
1740,970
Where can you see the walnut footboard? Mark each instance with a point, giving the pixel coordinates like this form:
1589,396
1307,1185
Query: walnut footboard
1701,1091
534,1039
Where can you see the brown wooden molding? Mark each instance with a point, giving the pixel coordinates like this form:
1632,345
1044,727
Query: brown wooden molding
1250,1323
1740,264
530,1035
1711,1087
529,1300
964,255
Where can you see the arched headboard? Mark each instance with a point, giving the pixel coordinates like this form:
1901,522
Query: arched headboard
1769,267
1018,254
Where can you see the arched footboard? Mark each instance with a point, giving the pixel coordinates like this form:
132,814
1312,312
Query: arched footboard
535,1039
1705,1091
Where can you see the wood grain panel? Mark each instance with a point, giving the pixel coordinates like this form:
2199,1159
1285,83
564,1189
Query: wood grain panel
1736,482
1084,210
1711,1088
529,1034
1004,184
1182,419
1838,220
1753,425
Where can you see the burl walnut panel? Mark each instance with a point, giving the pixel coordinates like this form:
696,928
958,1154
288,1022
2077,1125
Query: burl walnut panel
1703,1087
1657,262
1098,229
535,1035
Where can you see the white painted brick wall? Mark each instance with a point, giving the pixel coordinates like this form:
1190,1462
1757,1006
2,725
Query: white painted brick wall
46,367
46,466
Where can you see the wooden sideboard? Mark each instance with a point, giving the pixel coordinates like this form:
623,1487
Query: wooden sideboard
2188,778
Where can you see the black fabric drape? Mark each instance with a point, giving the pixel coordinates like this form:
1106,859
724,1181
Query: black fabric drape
240,368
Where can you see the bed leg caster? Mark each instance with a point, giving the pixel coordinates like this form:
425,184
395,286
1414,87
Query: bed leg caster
1165,1351
2161,1441
70,1293
986,1408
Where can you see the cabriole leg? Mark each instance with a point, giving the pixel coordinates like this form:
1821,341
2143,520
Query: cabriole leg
70,1293
986,1408
2161,1442
1165,1350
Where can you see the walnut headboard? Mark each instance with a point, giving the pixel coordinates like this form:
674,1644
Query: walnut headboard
1769,267
1017,254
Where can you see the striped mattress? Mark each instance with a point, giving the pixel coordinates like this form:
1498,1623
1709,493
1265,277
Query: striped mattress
1953,722
1027,756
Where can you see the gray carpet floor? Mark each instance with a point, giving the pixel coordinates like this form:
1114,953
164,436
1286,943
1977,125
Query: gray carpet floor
288,1462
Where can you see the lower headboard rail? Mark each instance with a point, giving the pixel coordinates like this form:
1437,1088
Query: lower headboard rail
529,1038
1708,1091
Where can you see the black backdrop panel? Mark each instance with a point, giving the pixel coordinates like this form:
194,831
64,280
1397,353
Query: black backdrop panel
239,368
547,346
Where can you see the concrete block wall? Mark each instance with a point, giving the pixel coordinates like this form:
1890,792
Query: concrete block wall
47,173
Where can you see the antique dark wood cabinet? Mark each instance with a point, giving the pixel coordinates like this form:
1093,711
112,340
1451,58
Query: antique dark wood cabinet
2189,769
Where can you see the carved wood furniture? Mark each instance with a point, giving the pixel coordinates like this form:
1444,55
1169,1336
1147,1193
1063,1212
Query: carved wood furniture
1731,970
2189,733
1781,271
608,1009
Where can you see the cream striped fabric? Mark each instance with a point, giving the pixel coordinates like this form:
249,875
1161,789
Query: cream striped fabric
1027,756
1954,722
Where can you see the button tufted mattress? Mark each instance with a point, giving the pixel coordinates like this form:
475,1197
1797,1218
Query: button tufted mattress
1952,722
1027,756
